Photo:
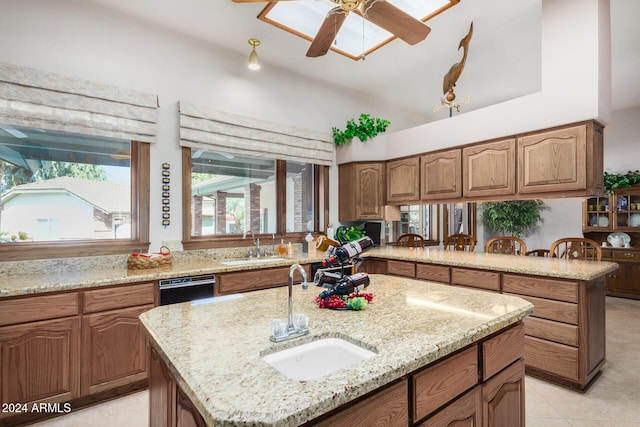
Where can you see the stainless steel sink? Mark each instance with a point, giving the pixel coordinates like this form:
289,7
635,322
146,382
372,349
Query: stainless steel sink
317,358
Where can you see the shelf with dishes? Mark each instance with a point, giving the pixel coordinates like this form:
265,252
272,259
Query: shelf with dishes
616,212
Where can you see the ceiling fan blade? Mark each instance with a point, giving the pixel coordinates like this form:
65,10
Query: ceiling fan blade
396,21
327,32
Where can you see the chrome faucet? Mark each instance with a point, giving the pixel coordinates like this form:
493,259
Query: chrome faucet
256,242
293,331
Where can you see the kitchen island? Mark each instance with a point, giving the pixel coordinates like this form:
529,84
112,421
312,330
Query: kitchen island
207,359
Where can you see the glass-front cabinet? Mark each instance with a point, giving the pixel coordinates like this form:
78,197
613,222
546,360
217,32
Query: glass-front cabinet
617,212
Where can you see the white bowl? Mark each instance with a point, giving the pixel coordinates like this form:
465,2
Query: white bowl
634,220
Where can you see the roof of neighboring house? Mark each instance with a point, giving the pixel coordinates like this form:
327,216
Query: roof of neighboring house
104,195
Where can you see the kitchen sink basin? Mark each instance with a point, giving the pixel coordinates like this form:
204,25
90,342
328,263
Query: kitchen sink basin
252,261
317,358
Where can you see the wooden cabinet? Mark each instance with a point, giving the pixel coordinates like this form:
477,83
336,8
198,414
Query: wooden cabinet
40,362
187,414
162,392
76,346
489,169
566,160
401,268
440,175
480,279
503,398
564,339
387,407
361,192
114,347
403,180
373,266
251,280
626,281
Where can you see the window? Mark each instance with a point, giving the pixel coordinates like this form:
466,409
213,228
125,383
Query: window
231,195
459,218
65,191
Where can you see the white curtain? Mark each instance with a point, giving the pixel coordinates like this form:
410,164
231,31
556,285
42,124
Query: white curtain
209,129
50,101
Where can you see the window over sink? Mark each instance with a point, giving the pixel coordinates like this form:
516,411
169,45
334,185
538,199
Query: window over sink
228,196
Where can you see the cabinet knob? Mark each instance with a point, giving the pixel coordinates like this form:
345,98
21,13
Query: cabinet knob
629,255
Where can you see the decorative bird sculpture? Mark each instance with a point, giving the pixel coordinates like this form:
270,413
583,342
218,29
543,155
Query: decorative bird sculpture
454,72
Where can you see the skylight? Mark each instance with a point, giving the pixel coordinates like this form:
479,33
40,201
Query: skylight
357,37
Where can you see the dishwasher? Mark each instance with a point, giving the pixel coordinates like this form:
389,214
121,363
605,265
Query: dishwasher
182,289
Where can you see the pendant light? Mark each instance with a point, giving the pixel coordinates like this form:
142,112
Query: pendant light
254,64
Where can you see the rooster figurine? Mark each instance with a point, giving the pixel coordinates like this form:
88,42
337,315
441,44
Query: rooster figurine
454,72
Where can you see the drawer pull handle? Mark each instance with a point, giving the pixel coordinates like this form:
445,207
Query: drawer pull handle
629,255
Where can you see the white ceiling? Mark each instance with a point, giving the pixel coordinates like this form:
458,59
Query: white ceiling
503,61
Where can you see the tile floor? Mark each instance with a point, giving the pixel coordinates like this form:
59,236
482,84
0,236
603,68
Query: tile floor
613,401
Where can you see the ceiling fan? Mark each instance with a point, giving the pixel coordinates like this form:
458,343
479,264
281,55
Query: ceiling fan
379,12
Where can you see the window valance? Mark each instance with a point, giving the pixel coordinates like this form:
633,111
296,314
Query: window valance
209,129
34,98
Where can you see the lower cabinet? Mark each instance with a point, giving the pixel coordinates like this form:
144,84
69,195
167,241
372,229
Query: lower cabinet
72,346
251,280
40,362
625,282
503,398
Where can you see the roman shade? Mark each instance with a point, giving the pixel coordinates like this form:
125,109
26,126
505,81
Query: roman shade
209,129
38,99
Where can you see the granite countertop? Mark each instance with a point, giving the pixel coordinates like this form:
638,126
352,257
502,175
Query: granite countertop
538,266
108,272
214,349
111,274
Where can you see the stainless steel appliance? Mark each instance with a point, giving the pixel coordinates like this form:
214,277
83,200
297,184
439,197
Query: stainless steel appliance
182,289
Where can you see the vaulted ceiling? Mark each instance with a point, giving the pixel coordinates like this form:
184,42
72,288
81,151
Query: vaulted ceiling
503,61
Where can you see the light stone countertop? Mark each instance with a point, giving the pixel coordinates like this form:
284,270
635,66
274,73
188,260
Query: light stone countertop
538,266
105,271
214,349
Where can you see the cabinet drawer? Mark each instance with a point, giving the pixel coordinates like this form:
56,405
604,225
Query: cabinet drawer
552,331
552,357
389,404
401,268
500,351
118,297
476,278
553,310
33,308
437,273
536,287
434,386
626,255
244,281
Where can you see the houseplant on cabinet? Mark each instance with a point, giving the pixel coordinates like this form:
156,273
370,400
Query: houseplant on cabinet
366,128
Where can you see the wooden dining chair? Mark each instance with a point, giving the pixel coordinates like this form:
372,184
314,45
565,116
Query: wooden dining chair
460,242
576,248
538,252
508,245
410,240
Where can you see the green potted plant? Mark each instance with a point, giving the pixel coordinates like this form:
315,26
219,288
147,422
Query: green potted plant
613,181
367,127
514,217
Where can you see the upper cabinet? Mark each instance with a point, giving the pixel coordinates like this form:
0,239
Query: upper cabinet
617,212
489,169
403,180
566,160
361,191
440,175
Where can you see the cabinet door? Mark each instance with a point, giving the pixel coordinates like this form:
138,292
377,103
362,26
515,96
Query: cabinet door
489,169
440,175
40,361
369,194
552,161
463,412
626,281
114,349
361,191
403,178
162,393
187,414
503,398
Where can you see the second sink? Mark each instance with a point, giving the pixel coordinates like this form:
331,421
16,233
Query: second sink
317,358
